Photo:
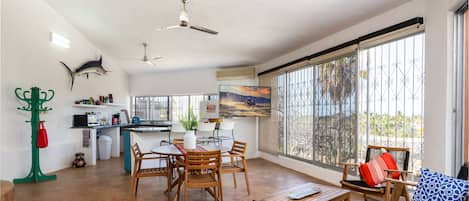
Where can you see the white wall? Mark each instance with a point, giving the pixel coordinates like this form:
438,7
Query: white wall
201,81
28,59
174,82
437,119
1,89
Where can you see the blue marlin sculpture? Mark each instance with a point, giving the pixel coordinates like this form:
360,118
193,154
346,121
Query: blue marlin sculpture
90,67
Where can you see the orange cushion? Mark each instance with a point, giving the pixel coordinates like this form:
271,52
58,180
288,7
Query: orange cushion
373,172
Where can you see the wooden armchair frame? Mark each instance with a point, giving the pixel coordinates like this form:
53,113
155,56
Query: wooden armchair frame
237,153
140,172
360,186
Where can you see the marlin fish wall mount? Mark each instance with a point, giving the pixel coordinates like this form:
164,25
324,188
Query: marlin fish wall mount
90,67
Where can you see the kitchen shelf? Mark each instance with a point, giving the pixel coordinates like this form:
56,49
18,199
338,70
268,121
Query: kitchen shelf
107,105
88,106
114,105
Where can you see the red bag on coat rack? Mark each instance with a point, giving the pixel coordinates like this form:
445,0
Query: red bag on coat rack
42,141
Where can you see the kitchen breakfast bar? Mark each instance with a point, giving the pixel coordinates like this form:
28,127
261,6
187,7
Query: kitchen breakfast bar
122,135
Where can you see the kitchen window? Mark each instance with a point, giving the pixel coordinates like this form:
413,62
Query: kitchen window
164,108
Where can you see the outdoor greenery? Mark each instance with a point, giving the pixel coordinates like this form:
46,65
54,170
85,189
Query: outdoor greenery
190,121
397,125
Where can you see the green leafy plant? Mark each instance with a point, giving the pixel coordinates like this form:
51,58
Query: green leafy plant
190,121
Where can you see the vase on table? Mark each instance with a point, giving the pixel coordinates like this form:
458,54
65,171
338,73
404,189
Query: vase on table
190,140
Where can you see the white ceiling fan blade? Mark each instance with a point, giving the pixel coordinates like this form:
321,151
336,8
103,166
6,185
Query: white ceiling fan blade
148,63
203,29
157,58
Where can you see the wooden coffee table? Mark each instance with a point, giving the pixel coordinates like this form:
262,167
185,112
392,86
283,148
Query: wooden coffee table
328,193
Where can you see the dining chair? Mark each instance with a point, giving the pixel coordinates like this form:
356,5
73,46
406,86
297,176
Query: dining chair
206,131
140,172
202,170
176,131
237,153
226,126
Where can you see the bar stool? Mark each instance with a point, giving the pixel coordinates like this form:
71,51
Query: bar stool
226,126
176,128
206,128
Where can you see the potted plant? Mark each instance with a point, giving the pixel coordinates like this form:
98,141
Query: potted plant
190,123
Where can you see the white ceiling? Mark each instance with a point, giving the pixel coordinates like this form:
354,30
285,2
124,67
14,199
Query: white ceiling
250,31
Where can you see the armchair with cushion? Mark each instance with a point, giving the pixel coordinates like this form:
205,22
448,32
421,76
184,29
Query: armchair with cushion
401,156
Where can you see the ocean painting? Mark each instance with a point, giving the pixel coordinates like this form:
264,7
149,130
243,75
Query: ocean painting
244,101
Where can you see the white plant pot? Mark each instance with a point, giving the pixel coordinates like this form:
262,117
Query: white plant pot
190,140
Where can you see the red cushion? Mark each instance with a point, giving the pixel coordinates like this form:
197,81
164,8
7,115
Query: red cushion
391,164
373,172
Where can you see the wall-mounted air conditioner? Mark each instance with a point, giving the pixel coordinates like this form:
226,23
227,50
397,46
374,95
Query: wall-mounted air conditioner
236,73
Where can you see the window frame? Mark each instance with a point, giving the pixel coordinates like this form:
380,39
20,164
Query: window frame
205,97
284,137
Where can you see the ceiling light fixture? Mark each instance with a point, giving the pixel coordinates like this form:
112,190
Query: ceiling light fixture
59,40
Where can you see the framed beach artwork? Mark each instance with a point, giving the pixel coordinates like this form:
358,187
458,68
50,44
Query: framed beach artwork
244,101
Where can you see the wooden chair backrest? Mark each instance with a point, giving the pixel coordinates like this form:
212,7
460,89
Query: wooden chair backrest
239,148
209,161
136,151
400,154
178,141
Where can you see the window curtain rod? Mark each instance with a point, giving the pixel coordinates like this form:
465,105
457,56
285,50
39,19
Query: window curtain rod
407,23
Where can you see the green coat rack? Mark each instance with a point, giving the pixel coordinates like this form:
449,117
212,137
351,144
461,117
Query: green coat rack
35,98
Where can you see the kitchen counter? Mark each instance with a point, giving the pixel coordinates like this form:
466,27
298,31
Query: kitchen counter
102,126
127,126
148,129
119,134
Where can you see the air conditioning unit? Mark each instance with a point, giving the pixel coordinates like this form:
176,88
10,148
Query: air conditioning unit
236,73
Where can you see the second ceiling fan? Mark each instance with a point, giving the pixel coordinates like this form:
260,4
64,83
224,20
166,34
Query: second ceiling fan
146,58
184,22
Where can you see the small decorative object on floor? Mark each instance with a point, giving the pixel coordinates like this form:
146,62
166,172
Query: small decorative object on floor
190,122
305,192
79,161
35,98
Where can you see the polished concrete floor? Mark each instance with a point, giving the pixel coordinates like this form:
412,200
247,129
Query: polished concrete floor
108,182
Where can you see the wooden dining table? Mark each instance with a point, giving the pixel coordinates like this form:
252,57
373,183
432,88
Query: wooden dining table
173,150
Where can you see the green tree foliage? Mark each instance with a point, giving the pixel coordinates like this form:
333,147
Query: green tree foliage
392,125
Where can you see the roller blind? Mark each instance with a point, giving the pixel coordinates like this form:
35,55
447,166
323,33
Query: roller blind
394,35
271,128
316,60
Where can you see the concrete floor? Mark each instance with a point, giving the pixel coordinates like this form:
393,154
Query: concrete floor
108,182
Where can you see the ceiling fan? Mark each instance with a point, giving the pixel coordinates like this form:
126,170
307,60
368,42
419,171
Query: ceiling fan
184,22
146,59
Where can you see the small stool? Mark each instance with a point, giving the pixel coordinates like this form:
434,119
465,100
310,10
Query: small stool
7,190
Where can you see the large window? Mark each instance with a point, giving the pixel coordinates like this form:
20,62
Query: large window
321,112
167,107
391,78
331,110
179,107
